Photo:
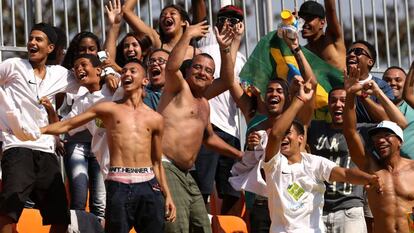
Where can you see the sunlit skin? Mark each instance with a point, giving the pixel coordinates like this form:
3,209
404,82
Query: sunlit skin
132,49
201,74
336,104
290,144
274,99
171,22
88,45
38,47
127,122
395,78
156,71
87,75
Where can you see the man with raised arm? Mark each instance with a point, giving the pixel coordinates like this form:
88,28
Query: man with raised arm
390,208
136,177
329,44
186,114
295,180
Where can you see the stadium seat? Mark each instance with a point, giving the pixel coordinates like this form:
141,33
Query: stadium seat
228,224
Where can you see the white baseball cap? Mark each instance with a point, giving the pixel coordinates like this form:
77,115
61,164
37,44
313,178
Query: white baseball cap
388,126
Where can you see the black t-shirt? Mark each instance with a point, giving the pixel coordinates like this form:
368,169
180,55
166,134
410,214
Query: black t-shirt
331,144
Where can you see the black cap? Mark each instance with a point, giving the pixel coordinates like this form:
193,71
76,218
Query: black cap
48,30
311,8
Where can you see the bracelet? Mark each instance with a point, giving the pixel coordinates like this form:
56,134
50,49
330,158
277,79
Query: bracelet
301,99
226,50
296,50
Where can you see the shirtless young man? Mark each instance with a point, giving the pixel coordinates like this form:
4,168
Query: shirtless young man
133,165
390,208
328,45
186,114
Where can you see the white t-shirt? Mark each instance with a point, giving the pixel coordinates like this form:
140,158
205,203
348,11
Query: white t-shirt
20,84
99,142
296,192
223,110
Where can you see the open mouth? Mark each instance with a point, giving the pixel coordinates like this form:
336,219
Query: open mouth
131,54
338,113
81,76
168,23
127,81
284,143
274,100
155,72
33,50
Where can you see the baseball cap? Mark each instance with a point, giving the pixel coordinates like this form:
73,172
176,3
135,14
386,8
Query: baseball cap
387,126
231,11
48,30
311,8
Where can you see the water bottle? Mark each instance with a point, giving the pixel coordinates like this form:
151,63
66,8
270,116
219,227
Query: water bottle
289,24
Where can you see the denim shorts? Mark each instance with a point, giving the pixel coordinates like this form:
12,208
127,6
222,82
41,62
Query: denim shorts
138,205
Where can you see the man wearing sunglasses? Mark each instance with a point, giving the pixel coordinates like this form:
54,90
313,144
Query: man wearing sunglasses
362,55
210,166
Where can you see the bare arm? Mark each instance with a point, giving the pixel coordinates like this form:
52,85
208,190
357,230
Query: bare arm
214,142
283,123
375,110
355,176
408,91
114,13
353,140
220,85
156,153
392,111
305,115
74,122
333,28
174,79
139,26
199,10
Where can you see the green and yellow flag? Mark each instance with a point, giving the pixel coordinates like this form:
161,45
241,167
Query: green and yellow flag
272,58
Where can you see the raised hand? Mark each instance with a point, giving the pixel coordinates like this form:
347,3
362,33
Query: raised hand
371,88
351,81
239,30
291,43
114,11
305,91
196,30
226,36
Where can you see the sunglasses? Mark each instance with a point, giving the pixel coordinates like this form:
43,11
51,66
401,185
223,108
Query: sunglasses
358,52
231,20
158,60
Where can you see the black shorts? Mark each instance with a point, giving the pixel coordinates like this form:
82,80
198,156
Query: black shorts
36,175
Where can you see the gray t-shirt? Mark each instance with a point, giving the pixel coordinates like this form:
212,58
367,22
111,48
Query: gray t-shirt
331,144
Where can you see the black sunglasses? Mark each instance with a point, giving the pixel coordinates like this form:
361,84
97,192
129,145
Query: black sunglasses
232,20
358,52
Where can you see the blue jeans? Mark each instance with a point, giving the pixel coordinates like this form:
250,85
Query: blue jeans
138,205
350,220
83,172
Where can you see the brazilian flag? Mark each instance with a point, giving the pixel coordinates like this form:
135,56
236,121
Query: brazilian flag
272,58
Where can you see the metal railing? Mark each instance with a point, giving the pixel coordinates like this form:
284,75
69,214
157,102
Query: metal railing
386,23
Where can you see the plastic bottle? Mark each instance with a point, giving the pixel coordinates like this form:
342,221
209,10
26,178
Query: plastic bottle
289,24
